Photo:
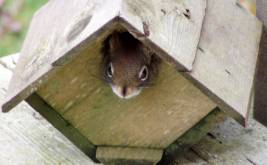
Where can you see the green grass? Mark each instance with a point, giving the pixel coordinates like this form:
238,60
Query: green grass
11,42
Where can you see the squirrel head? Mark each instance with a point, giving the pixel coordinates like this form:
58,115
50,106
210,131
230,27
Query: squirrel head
128,65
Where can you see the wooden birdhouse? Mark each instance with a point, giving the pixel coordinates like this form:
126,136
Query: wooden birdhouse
208,50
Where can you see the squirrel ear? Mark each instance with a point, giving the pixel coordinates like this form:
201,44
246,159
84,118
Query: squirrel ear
114,42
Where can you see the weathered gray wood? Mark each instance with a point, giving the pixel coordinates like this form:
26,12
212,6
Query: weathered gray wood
129,156
226,59
225,72
260,103
52,35
192,136
23,129
91,107
235,145
10,61
27,138
227,144
173,26
62,125
72,24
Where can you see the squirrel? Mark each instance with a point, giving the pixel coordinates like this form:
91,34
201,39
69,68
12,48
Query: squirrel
127,65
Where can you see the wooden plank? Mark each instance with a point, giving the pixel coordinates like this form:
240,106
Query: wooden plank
10,61
260,104
90,105
232,144
130,156
27,138
171,27
192,136
41,50
226,59
63,126
188,158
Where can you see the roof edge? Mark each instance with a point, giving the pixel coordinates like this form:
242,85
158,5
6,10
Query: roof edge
13,100
241,119
142,34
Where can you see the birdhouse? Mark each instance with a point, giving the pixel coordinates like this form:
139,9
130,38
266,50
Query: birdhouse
208,50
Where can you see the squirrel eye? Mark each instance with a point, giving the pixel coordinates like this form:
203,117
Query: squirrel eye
143,75
110,70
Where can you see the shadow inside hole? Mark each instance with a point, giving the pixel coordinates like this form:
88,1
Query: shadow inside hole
260,96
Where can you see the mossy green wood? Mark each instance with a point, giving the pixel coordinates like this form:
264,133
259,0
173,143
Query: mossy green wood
155,118
129,156
62,125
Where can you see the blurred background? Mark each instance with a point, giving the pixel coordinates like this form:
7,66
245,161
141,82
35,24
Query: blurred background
15,16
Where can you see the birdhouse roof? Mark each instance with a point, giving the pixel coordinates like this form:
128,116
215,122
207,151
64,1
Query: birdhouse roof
212,43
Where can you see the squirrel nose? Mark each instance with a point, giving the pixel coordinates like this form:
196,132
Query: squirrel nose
125,91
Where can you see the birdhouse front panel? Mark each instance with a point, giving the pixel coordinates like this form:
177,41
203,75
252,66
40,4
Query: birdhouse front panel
155,118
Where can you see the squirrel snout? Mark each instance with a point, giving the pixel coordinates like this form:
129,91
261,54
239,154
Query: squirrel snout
125,92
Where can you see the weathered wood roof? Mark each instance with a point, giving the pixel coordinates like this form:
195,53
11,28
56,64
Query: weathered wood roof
213,43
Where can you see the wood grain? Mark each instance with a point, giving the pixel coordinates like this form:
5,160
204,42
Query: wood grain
53,35
63,126
65,40
166,110
173,26
223,66
26,137
226,59
23,128
229,143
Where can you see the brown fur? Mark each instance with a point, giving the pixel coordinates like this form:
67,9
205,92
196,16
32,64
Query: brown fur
127,56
